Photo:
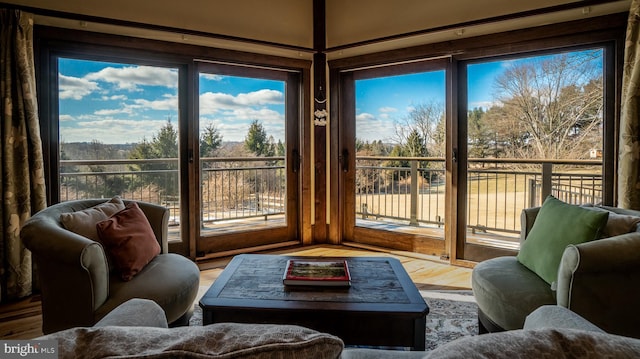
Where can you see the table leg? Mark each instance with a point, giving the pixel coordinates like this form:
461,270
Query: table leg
419,336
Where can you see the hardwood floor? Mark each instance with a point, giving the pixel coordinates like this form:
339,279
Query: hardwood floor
22,319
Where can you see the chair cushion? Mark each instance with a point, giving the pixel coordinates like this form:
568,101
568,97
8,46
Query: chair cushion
84,222
557,225
506,291
540,343
222,340
129,240
170,280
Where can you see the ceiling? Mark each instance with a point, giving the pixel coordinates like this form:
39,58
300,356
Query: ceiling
285,27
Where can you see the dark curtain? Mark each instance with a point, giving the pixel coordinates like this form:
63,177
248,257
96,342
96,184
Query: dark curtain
22,180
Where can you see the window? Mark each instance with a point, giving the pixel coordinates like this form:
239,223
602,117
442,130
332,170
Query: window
217,144
118,132
535,126
507,130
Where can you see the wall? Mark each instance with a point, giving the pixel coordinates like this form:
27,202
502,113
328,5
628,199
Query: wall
288,22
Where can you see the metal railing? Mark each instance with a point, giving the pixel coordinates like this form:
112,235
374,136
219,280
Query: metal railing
401,190
231,188
410,191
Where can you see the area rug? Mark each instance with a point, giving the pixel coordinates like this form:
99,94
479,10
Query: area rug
452,315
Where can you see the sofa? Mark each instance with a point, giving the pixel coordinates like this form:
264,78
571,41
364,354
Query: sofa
138,329
597,279
81,281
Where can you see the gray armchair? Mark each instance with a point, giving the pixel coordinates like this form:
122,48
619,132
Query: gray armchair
77,286
599,280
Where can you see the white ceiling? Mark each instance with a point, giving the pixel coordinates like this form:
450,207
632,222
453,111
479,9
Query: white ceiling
290,22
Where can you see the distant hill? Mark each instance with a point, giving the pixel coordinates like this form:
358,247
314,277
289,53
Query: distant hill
101,151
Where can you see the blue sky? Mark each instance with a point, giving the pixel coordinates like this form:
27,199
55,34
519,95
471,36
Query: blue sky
120,103
382,101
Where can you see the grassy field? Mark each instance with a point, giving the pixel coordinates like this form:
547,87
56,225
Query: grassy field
494,202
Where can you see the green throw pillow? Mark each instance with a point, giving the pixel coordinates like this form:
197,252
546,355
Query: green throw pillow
557,225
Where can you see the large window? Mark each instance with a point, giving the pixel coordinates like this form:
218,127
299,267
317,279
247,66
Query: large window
535,127
217,144
118,132
400,147
455,153
249,157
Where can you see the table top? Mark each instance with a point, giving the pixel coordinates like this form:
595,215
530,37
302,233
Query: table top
378,284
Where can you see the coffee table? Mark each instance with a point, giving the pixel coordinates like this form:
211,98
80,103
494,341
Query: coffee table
381,308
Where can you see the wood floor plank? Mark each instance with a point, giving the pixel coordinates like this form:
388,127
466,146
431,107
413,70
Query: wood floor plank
22,319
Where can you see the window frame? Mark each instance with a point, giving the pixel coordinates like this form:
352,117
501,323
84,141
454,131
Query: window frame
52,42
607,31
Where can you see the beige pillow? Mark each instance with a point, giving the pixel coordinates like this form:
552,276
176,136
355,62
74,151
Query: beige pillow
84,222
222,340
618,224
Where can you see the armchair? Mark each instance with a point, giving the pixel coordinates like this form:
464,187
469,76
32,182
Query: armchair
599,280
77,286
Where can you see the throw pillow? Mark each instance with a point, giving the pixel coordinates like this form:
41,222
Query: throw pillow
84,222
557,225
221,340
618,224
129,240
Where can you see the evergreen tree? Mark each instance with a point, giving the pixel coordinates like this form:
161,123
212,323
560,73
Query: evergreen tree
479,134
210,141
280,149
164,145
257,140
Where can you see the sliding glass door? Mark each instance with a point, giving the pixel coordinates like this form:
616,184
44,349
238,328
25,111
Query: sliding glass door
393,157
248,158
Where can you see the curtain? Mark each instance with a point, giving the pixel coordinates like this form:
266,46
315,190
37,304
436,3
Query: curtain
21,160
629,150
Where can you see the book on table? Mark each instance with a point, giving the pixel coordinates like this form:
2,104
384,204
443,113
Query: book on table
317,272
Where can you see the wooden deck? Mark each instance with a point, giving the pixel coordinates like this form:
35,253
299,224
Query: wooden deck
22,319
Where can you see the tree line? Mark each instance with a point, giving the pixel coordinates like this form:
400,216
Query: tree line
162,175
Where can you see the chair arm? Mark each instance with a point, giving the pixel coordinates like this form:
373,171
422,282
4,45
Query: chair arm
158,217
600,280
527,217
67,263
136,312
557,317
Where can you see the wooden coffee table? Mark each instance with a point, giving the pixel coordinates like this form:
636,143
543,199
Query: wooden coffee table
381,308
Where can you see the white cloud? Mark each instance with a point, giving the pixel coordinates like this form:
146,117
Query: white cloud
111,130
362,117
66,118
111,112
168,102
211,77
387,109
211,103
484,104
370,127
75,88
129,78
114,98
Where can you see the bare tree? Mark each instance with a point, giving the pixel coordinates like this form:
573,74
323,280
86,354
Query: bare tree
551,106
424,121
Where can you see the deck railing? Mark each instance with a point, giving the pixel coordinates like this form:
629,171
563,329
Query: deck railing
411,191
407,191
231,188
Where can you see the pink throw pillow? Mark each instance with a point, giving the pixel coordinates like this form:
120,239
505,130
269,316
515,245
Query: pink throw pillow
129,240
